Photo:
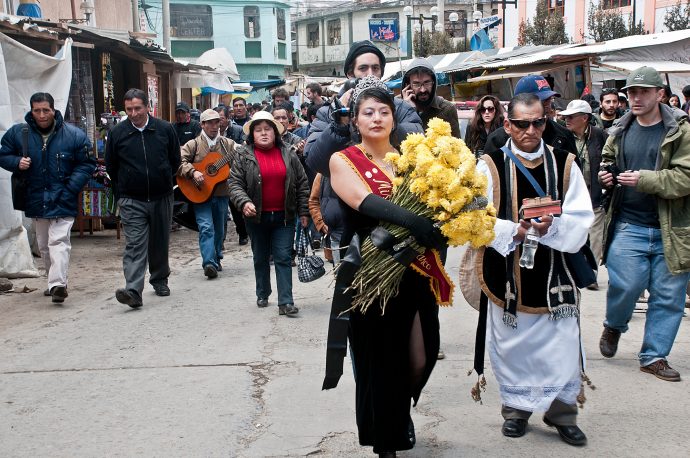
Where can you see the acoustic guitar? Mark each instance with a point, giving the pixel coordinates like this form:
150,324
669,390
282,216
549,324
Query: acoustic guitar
215,169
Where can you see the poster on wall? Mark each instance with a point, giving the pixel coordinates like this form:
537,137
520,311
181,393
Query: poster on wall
152,83
108,85
383,30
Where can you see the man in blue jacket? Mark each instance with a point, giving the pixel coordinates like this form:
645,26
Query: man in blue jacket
142,155
58,165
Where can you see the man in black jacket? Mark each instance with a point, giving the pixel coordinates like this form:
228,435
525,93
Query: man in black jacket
142,155
186,128
554,135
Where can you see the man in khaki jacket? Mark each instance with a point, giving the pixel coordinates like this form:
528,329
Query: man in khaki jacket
648,222
211,216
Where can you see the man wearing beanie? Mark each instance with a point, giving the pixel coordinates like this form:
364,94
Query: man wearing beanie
554,135
647,223
331,132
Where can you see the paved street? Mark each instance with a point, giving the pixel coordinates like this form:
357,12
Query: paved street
207,373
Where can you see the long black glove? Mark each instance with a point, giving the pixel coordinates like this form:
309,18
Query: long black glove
421,228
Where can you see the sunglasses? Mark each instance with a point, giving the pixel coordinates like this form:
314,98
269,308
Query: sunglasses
523,124
487,109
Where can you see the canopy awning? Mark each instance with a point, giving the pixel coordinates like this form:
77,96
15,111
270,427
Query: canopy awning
662,66
518,72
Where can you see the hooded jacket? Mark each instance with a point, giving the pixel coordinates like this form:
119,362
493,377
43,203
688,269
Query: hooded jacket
57,173
437,107
669,182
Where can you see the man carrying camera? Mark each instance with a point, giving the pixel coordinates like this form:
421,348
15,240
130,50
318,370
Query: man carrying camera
646,166
419,90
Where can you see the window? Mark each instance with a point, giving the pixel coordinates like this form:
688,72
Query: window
252,49
185,48
555,6
280,17
252,28
313,40
282,51
333,32
389,15
609,4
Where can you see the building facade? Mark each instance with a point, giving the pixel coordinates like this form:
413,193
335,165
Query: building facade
323,37
108,14
575,13
256,33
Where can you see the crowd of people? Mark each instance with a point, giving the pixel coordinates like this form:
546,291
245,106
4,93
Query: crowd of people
620,172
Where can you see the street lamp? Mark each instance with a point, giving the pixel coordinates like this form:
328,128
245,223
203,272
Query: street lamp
454,19
87,8
407,11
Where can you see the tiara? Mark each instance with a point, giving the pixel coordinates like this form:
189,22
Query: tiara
366,83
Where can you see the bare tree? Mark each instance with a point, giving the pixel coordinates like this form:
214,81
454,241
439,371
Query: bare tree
546,29
677,17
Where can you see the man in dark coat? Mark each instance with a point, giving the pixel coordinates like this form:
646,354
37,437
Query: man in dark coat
419,90
58,165
554,134
142,155
186,128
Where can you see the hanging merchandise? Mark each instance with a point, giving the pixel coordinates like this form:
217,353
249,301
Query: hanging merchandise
108,86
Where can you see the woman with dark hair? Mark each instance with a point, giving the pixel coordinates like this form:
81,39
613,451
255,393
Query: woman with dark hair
393,353
488,116
674,101
269,186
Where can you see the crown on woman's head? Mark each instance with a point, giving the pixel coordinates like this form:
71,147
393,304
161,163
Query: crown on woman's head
366,83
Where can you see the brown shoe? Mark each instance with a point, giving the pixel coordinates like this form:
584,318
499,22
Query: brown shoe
661,369
608,344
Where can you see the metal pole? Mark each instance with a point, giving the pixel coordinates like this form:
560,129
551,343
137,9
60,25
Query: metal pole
135,16
73,4
421,35
166,26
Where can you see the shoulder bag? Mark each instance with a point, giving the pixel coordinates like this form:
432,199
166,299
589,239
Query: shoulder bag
20,178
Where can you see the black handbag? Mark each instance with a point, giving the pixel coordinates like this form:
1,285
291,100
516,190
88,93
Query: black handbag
309,267
20,178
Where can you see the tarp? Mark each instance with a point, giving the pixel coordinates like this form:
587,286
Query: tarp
220,60
262,84
24,71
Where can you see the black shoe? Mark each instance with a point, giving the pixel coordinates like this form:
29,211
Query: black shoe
261,302
244,240
220,267
315,244
608,344
46,292
572,435
210,271
287,309
514,427
125,297
161,289
59,293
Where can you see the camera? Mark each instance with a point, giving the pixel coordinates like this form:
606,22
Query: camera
614,171
338,110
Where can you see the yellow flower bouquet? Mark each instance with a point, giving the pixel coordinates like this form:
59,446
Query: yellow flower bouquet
436,178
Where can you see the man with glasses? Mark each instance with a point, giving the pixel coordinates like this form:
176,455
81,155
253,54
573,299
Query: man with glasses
419,90
532,314
554,134
608,112
589,140
648,222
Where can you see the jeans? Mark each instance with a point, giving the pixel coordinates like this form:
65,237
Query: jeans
272,236
636,262
333,241
211,217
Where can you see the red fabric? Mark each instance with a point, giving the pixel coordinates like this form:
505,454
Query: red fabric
273,172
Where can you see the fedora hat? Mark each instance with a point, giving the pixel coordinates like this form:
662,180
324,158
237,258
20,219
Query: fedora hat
262,116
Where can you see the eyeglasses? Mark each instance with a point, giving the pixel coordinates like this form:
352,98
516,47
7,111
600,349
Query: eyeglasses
487,109
523,124
426,84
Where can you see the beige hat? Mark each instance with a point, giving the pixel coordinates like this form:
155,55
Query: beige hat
577,106
209,114
262,116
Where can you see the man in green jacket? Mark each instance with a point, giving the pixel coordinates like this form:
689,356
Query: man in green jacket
646,167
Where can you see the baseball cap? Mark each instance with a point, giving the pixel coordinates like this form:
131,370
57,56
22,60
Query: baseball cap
181,106
576,106
209,114
535,84
644,77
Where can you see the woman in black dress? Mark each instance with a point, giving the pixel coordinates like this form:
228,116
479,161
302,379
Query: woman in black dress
488,116
393,353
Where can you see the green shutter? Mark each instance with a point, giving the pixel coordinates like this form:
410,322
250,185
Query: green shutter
252,49
184,48
282,51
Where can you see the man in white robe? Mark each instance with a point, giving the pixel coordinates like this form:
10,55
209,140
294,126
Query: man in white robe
533,314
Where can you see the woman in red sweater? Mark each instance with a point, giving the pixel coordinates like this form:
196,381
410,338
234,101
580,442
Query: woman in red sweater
270,187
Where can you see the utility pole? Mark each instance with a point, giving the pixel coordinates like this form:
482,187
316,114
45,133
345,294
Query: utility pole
135,16
166,26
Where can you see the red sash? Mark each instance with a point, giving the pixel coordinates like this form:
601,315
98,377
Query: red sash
378,182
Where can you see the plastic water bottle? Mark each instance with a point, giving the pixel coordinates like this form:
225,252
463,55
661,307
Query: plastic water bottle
529,247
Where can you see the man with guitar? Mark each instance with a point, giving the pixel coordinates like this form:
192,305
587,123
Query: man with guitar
203,178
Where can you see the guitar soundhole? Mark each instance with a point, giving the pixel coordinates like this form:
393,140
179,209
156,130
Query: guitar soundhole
211,170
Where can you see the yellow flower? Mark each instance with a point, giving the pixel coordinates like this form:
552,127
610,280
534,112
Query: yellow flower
438,128
392,158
